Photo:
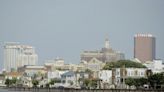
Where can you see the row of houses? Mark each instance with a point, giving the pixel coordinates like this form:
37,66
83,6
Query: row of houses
71,79
72,75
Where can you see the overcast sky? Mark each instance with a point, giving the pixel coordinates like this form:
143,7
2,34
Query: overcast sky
65,28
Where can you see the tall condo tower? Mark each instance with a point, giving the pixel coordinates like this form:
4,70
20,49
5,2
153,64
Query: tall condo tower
144,47
17,55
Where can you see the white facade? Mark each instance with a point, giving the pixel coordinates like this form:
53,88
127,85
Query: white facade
68,79
16,55
156,66
106,76
55,74
120,74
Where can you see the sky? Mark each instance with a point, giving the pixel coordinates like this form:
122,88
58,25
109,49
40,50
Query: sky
64,28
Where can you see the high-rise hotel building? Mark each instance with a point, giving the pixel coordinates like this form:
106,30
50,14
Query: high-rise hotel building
17,55
144,47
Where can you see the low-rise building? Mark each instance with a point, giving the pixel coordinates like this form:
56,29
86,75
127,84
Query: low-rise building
80,76
120,74
30,73
93,65
156,66
68,79
58,64
31,70
106,78
2,80
11,75
55,74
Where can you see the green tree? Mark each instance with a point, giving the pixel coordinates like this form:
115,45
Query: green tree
14,80
35,83
52,82
143,81
129,81
8,82
137,82
90,83
90,72
120,63
156,79
93,83
47,85
57,80
11,82
86,83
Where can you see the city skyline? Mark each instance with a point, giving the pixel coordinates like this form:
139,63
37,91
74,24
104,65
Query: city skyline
66,28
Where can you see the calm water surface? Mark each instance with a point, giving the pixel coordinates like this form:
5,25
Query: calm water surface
5,90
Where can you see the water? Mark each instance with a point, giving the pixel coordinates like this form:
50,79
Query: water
6,90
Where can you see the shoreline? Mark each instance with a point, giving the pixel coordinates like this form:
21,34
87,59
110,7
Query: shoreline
23,89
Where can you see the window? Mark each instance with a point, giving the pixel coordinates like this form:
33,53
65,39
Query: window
129,73
142,73
118,72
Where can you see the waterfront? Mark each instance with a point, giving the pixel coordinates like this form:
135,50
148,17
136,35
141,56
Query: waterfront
75,90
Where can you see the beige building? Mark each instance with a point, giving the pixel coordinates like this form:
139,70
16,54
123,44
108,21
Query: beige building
94,65
106,54
59,64
11,75
32,69
144,47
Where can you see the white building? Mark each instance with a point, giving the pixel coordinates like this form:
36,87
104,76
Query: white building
106,77
55,74
68,79
120,74
30,72
17,55
156,66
